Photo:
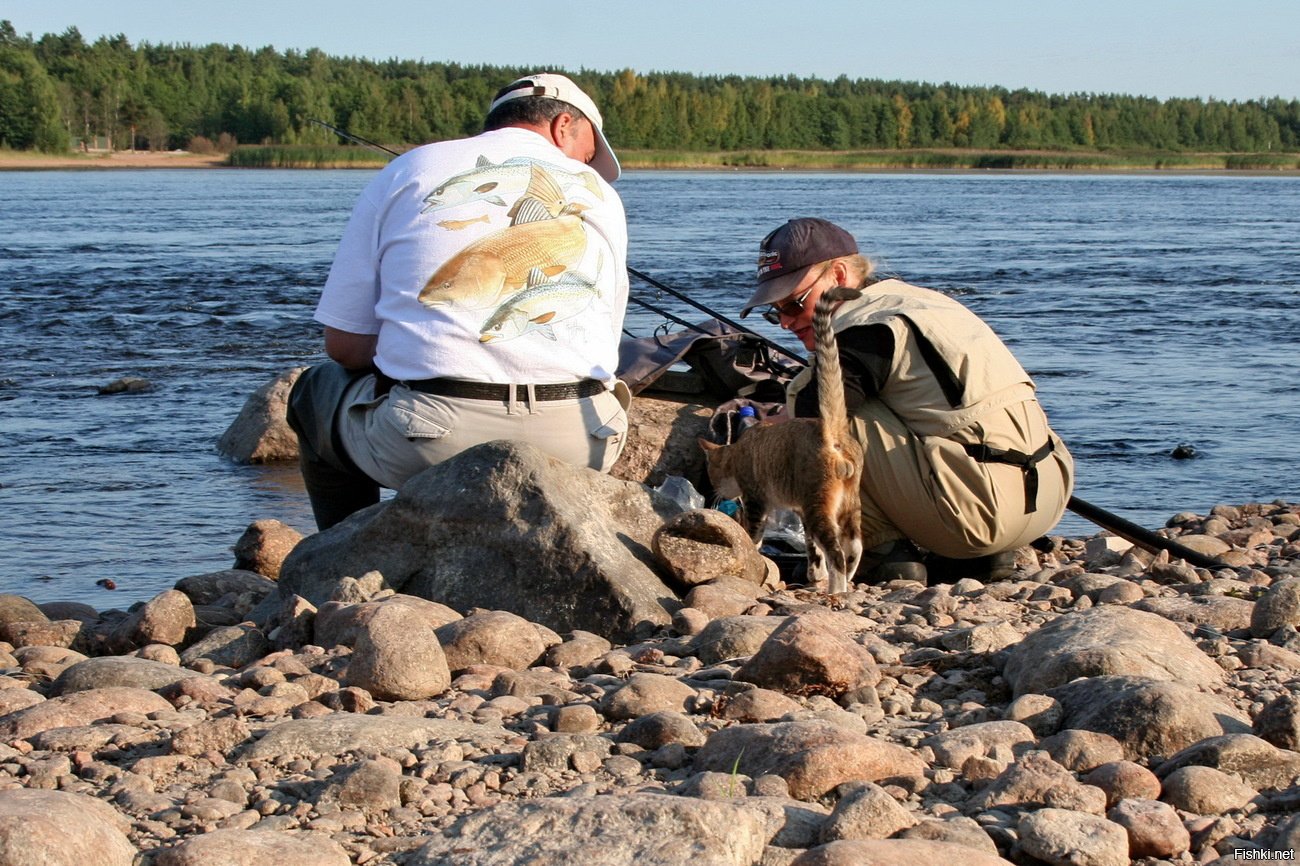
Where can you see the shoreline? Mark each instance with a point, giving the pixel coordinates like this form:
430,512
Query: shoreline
118,160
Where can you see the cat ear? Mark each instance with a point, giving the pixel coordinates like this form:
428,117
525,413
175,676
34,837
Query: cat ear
706,446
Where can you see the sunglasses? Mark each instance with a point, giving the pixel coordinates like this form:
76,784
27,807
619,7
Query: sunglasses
789,309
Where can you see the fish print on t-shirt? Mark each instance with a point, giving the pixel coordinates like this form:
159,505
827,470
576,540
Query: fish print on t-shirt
524,273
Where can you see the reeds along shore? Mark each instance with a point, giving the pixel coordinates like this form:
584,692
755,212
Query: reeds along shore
798,160
859,160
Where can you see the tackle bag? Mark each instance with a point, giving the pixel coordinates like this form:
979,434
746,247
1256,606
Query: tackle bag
730,363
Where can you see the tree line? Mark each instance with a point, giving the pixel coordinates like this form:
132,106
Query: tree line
59,89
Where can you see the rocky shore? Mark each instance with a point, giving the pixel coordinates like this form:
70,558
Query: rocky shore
1101,706
519,662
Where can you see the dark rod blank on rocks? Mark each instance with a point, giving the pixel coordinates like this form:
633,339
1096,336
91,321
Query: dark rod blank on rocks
1126,529
1143,538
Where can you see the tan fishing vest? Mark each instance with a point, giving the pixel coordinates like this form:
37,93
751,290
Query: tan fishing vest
948,368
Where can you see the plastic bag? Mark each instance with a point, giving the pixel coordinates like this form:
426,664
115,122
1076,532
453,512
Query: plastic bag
681,491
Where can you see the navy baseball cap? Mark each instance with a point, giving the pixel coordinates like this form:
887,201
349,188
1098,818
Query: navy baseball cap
785,255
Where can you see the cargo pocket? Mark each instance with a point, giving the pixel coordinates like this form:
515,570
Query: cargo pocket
419,419
611,428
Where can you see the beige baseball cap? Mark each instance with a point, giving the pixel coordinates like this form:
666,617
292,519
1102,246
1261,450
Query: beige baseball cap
556,86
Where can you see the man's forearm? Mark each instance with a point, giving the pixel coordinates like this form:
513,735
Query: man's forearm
354,351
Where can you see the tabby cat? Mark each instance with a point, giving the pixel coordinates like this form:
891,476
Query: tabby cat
811,465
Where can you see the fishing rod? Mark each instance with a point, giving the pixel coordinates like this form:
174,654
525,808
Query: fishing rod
342,133
1126,529
721,318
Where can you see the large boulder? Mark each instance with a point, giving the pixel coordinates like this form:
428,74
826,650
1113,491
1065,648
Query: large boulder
1148,717
130,671
661,441
632,830
1105,641
253,848
56,828
260,433
502,526
813,756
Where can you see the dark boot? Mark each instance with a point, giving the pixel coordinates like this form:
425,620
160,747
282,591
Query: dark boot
896,560
986,569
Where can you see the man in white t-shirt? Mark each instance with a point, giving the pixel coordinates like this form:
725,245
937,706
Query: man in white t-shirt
478,293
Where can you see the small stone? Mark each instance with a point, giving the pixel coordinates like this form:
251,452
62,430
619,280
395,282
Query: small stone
866,811
1065,838
1154,828
1206,791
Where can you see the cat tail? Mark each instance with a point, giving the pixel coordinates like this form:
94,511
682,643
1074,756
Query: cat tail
830,378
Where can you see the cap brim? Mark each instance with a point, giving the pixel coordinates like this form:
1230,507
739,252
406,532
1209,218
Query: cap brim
774,290
604,162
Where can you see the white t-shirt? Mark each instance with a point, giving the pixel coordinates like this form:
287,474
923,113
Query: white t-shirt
491,259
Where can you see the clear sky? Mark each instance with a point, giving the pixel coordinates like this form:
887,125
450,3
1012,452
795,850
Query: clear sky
1226,49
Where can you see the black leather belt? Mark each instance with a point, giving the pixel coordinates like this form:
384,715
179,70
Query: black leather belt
1028,464
501,393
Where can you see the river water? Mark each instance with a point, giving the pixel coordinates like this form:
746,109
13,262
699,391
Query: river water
1153,311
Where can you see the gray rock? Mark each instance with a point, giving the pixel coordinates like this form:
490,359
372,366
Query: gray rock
398,658
1148,717
1124,780
631,830
254,848
866,811
213,735
494,637
555,752
645,693
1081,751
167,618
1276,608
1223,612
705,544
733,637
662,440
756,705
1065,838
132,671
813,756
1154,828
231,646
1042,714
56,828
205,589
811,654
956,829
987,637
1279,722
502,526
260,433
17,608
372,785
660,729
892,852
953,748
264,545
1106,641
56,633
343,732
1206,791
337,623
80,708
1259,763
1035,781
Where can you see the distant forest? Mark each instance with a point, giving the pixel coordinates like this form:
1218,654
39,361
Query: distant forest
58,90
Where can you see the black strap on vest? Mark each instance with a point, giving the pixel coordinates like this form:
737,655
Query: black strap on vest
1028,464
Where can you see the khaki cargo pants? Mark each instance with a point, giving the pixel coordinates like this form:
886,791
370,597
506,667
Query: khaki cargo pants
929,489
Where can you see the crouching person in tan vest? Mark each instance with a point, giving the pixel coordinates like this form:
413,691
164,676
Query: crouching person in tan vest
960,459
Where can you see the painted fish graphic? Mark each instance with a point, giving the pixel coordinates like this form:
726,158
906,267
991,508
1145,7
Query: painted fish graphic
499,183
457,225
544,235
541,305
